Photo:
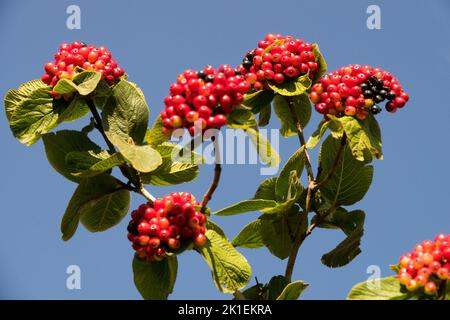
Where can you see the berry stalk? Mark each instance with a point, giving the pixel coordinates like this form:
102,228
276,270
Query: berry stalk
216,178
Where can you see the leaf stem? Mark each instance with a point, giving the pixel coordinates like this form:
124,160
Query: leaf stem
98,124
216,178
301,138
135,184
313,186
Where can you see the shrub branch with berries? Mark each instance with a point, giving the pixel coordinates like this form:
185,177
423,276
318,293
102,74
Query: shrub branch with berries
283,74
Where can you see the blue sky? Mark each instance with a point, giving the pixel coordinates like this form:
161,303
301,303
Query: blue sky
156,40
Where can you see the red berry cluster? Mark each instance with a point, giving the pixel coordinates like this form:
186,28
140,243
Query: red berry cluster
355,90
165,225
426,268
277,59
203,98
80,55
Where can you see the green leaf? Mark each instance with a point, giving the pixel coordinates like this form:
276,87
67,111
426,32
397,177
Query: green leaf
98,164
447,291
278,232
275,287
264,116
230,269
314,140
101,94
77,109
58,145
100,203
155,280
293,193
105,213
210,225
142,158
14,97
126,113
363,135
174,168
293,290
267,154
351,179
299,105
389,290
320,61
82,160
241,118
292,87
84,83
155,136
345,252
258,100
246,206
32,111
266,190
296,162
342,219
256,292
250,236
395,267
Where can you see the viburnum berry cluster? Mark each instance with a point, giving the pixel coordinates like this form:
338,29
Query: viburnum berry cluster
427,267
78,54
278,59
356,90
204,97
161,228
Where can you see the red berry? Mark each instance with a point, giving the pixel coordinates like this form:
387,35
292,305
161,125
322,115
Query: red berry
164,223
173,243
144,228
278,78
430,288
200,240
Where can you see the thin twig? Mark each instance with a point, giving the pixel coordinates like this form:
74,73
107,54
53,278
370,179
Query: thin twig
98,124
216,177
299,237
134,184
301,138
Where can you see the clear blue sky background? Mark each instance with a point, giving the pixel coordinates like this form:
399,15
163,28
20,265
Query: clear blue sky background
156,40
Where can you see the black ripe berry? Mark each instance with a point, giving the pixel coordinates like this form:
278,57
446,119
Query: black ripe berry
375,109
250,55
132,227
383,93
201,74
209,78
378,98
368,94
391,95
247,64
